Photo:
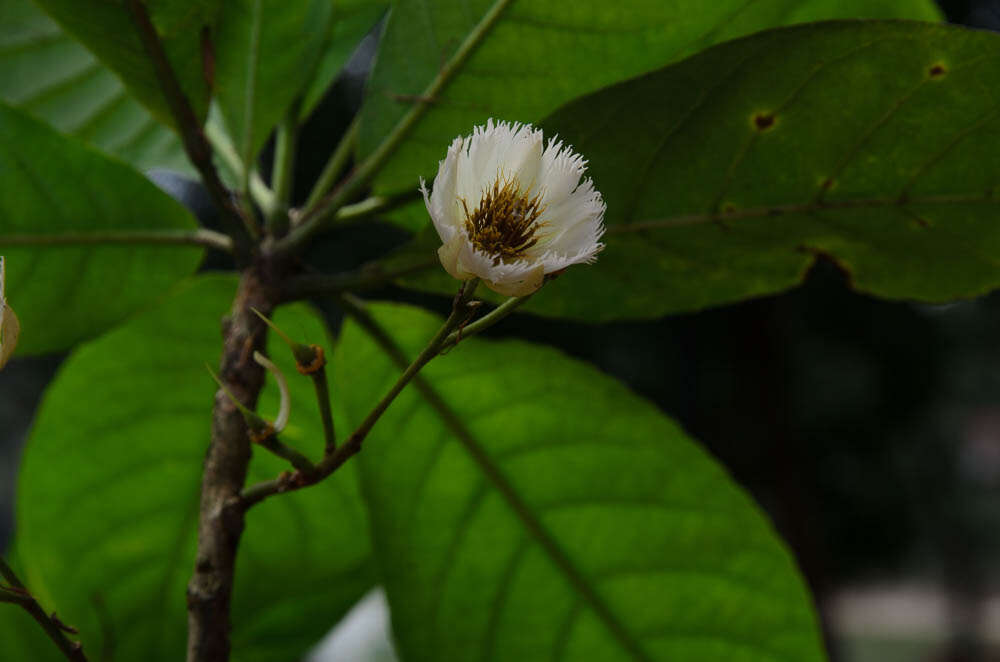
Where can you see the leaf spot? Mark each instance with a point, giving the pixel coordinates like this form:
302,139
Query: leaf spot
729,208
937,71
763,121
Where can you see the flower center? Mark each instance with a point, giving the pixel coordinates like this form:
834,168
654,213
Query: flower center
505,224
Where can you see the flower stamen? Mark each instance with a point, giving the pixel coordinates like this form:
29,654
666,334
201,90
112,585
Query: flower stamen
505,224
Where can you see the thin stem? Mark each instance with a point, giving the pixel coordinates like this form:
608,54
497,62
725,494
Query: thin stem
370,275
195,144
17,594
334,166
370,206
282,173
199,237
323,398
359,178
294,457
365,208
223,146
484,322
459,313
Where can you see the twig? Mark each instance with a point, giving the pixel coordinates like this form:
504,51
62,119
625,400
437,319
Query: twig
223,146
195,144
16,593
310,360
285,452
199,237
323,398
284,483
484,322
371,206
283,171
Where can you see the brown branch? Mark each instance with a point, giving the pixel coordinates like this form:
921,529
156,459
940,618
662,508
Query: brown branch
195,144
462,308
17,594
221,517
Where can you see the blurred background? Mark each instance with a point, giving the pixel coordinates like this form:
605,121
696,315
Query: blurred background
869,430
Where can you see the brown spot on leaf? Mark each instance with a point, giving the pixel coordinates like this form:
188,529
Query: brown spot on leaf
763,121
729,208
937,70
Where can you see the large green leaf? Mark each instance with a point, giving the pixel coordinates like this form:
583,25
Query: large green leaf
873,144
266,53
108,494
538,510
108,29
55,189
528,57
48,74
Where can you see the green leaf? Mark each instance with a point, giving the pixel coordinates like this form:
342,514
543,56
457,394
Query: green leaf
524,59
711,201
109,489
534,509
352,20
58,196
107,28
48,74
266,53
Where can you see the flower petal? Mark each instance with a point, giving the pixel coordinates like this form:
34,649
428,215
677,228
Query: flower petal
525,283
448,254
567,231
442,202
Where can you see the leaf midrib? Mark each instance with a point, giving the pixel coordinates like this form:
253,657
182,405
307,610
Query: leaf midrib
454,64
531,523
250,98
901,202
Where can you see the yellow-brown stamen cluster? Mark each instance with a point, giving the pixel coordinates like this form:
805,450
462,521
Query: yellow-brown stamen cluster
505,224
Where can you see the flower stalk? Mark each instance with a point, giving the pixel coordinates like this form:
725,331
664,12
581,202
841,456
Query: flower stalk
484,322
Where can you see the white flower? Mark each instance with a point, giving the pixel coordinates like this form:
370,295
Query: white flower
510,210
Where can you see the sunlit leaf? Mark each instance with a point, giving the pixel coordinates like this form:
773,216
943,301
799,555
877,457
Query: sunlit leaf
108,494
59,196
108,29
530,508
48,74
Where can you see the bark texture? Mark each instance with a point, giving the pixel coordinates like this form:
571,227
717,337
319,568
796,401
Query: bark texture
221,518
